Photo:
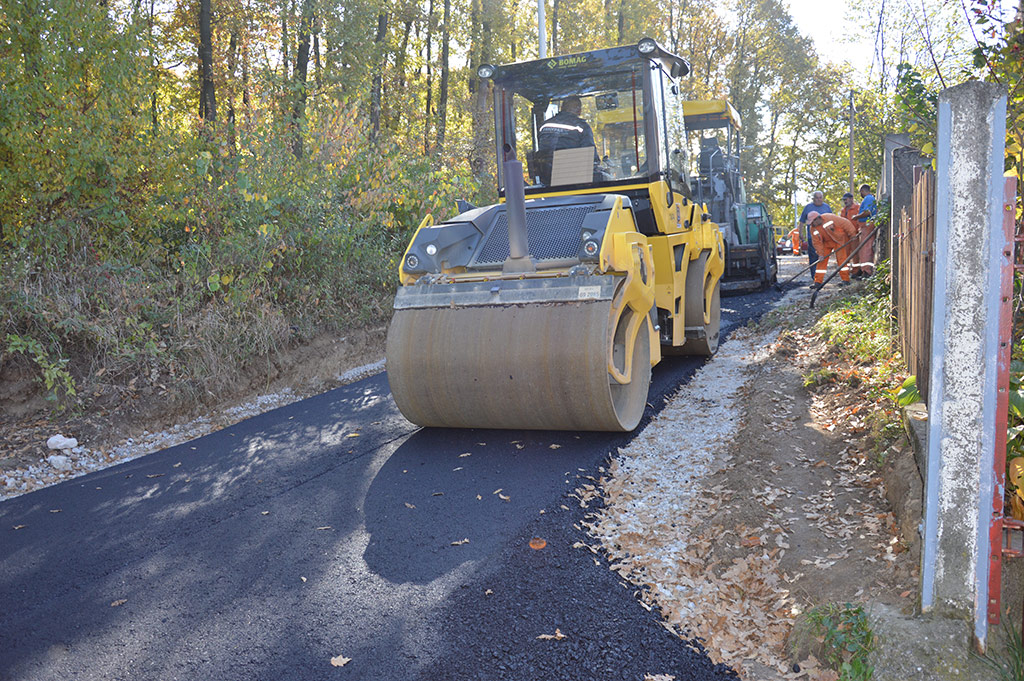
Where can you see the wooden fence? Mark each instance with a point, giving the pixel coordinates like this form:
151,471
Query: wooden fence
916,268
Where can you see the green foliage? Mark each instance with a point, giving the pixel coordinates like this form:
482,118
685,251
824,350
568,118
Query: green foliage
813,379
907,393
60,386
1006,657
918,105
848,639
860,325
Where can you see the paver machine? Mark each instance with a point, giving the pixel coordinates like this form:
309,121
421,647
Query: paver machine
548,309
750,261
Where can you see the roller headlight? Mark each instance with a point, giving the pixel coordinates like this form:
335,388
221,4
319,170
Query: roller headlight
431,249
412,262
647,46
485,71
590,248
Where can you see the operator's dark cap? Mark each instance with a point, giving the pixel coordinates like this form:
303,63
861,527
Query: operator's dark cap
847,195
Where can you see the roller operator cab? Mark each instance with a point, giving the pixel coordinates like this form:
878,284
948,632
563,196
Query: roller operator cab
548,309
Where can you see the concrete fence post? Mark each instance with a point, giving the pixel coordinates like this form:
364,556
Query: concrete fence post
969,240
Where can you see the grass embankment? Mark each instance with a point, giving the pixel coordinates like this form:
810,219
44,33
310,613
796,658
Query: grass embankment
177,272
863,358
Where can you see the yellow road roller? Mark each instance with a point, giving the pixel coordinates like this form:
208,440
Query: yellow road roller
548,310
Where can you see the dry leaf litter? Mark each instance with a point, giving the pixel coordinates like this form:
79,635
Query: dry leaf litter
653,499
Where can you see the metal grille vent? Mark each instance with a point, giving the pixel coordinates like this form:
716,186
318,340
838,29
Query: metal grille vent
554,233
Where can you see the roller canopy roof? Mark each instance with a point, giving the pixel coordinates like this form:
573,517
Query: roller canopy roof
577,74
714,113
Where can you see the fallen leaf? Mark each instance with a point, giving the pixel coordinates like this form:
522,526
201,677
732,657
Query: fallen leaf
457,468
437,494
905,593
504,498
537,543
18,527
752,540
264,512
479,497
497,491
464,455
554,446
54,510
488,592
352,435
303,579
557,636
460,542
325,527
118,602
340,661
176,465
155,475
408,505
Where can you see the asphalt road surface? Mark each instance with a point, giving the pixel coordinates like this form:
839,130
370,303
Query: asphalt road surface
326,529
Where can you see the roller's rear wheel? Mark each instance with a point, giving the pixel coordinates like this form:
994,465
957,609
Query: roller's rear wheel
705,334
708,344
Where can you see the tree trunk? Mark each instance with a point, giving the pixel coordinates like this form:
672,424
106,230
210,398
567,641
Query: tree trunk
401,81
207,95
286,10
378,76
621,22
152,67
301,69
316,55
442,102
232,60
430,81
554,27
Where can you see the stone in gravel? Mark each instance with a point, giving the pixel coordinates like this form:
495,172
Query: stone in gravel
60,442
60,462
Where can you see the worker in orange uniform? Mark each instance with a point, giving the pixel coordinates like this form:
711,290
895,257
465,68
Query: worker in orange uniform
830,233
794,237
850,211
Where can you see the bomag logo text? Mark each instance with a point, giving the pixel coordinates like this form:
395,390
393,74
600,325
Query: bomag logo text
563,62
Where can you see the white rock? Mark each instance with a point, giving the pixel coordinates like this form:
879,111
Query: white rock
60,462
60,442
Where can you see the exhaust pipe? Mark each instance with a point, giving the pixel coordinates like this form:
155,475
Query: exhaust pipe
519,259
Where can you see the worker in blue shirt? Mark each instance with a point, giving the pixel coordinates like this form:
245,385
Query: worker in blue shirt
865,259
819,206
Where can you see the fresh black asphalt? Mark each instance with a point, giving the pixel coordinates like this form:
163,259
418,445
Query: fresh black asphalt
325,528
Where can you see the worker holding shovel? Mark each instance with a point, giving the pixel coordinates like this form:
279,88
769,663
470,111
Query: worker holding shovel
830,233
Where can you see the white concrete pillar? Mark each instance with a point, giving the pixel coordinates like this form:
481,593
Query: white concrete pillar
969,241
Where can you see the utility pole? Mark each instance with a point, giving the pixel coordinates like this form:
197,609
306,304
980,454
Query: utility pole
542,30
852,190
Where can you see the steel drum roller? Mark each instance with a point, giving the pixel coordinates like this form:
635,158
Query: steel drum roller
540,366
